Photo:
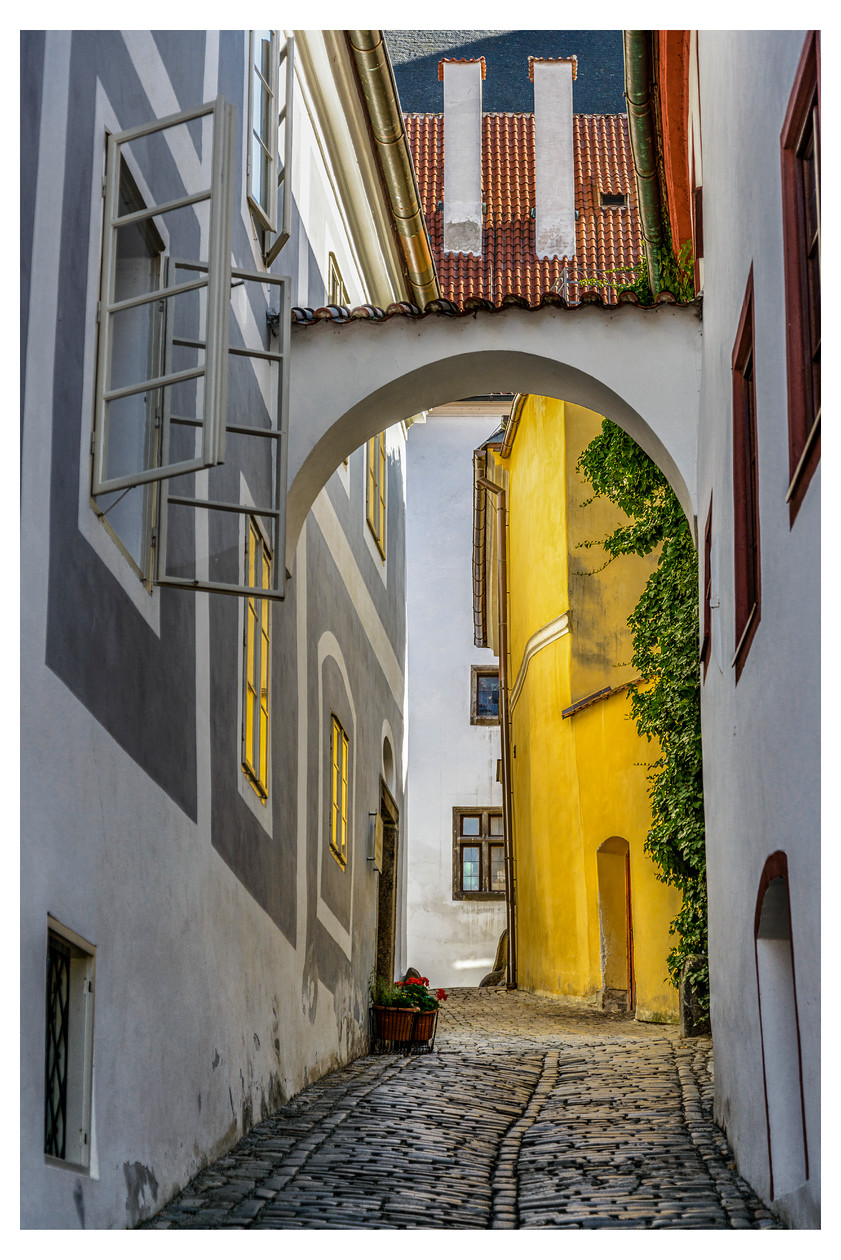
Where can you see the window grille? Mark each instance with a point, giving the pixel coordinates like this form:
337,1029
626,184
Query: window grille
58,1005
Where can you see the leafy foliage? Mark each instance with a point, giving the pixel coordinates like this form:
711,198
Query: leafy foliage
666,707
677,273
408,992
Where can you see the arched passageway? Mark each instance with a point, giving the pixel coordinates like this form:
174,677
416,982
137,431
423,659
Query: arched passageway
349,381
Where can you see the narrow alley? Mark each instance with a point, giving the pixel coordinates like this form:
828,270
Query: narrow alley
530,1113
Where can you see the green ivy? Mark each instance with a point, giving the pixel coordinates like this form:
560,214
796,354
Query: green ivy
666,707
677,273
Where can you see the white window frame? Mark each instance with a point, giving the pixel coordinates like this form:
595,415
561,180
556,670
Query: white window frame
273,514
214,277
283,212
266,215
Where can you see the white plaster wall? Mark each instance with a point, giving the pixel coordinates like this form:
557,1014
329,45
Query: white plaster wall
451,763
761,737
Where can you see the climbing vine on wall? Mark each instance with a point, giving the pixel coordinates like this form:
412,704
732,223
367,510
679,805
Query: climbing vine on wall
664,629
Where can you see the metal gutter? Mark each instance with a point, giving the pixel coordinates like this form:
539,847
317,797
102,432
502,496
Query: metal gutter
379,92
512,424
640,94
490,487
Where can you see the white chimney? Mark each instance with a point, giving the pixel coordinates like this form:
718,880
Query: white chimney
462,155
554,170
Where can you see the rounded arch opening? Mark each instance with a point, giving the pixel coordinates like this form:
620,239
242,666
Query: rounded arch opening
350,383
788,1165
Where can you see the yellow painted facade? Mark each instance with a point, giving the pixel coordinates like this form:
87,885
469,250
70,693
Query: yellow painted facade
580,801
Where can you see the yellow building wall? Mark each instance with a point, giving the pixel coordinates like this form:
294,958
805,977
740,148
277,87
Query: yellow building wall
578,785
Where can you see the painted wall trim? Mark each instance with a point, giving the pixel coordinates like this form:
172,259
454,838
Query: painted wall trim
339,548
540,639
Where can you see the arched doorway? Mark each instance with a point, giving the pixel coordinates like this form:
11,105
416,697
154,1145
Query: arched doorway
780,1032
613,863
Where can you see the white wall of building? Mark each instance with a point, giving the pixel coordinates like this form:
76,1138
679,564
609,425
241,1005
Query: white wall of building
762,734
451,763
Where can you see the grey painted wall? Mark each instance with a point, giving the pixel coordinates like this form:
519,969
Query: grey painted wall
232,953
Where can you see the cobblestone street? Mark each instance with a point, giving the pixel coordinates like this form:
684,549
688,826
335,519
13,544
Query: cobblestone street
529,1114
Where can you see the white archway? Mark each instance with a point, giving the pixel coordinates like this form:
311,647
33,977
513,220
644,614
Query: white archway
640,367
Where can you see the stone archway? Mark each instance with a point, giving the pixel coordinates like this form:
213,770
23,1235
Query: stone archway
640,367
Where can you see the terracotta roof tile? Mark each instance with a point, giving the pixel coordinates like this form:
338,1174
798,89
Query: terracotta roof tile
608,238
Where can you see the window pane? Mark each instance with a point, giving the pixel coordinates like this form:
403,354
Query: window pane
495,821
470,869
470,825
487,695
497,868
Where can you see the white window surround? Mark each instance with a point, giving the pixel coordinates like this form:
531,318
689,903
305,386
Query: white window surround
328,647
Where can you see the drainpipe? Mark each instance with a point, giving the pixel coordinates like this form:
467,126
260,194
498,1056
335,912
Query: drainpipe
512,425
379,92
505,731
640,92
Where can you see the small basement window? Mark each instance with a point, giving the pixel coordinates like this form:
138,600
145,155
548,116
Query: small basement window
614,199
68,1067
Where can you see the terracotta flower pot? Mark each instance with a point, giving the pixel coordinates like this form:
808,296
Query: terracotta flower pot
394,1023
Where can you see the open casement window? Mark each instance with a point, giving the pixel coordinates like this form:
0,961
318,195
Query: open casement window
270,139
337,294
140,366
375,491
256,656
745,486
339,756
800,144
199,535
706,601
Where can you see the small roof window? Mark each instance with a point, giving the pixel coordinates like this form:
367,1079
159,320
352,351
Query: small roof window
614,199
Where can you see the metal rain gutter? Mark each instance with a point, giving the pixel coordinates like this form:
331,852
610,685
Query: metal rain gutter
512,424
379,92
642,131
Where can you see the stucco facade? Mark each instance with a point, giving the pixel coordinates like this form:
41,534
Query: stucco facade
226,951
452,760
761,732
592,917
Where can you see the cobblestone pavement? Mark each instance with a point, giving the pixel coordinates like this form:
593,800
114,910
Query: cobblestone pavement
531,1113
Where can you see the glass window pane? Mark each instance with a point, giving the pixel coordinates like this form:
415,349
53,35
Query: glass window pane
470,869
470,825
495,821
487,695
497,868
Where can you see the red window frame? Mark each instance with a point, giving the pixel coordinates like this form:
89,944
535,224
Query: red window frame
800,162
747,566
706,642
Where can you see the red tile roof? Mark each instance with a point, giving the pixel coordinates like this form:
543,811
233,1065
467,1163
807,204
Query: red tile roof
608,238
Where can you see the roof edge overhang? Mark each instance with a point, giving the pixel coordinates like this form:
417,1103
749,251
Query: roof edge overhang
379,94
